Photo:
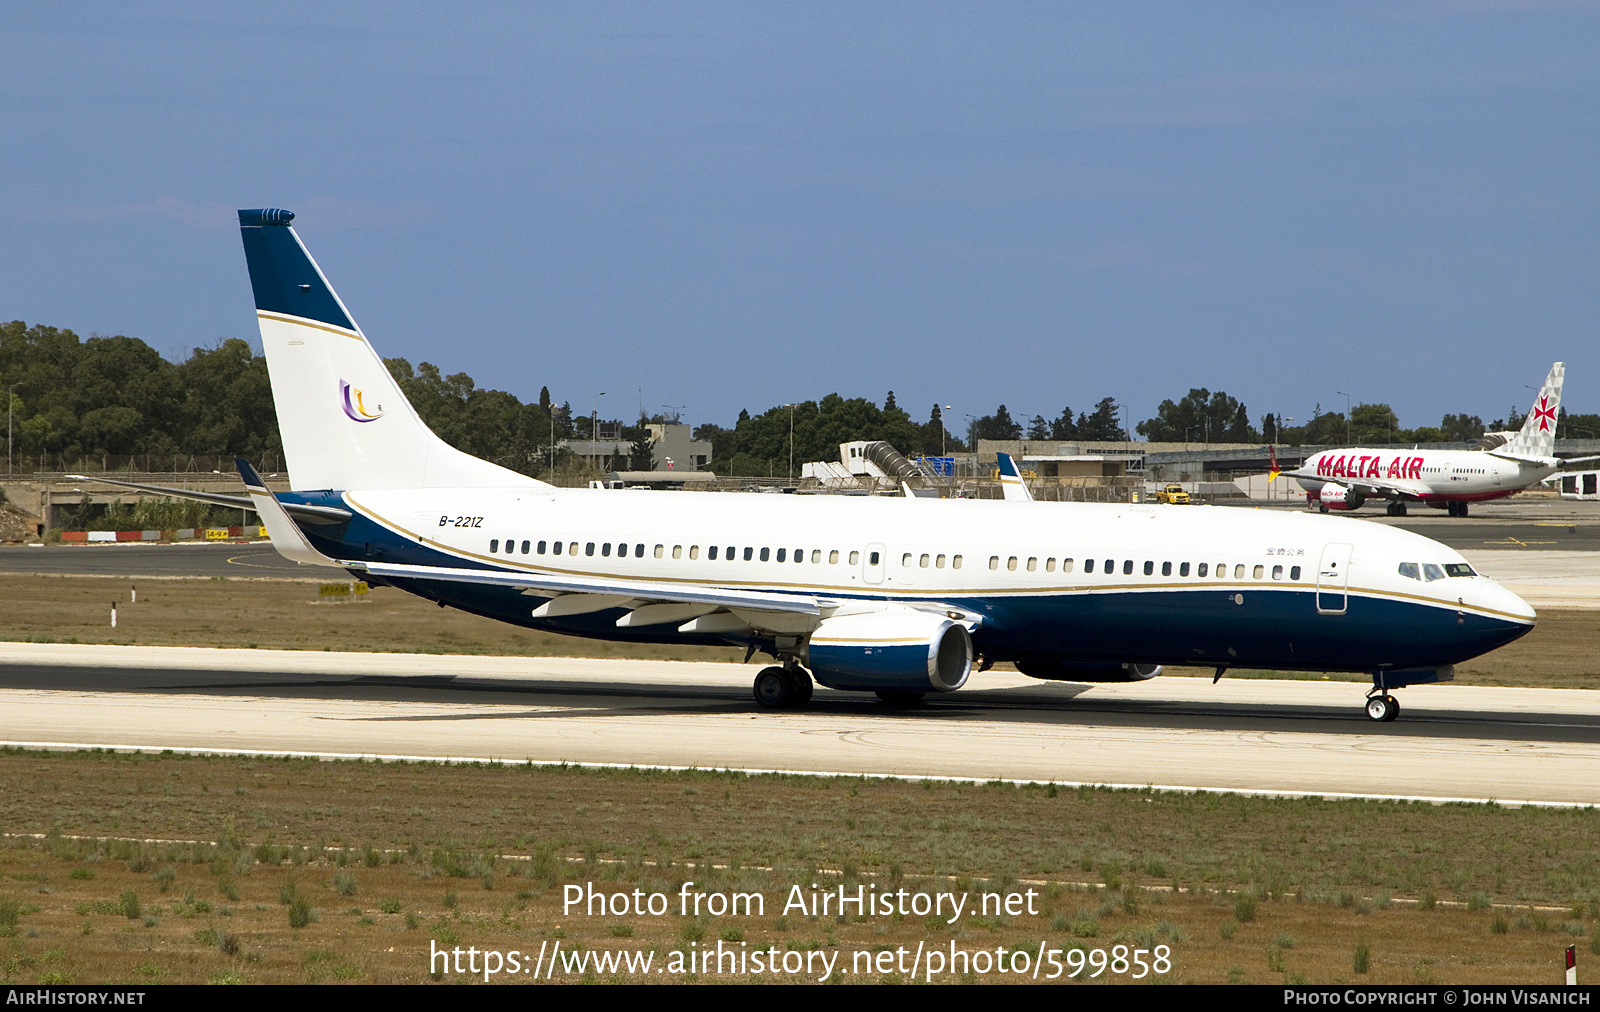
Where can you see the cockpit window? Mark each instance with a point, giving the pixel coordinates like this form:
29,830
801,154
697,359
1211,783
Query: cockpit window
1410,571
1430,572
1458,569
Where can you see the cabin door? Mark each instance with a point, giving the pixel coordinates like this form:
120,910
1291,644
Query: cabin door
1333,578
872,563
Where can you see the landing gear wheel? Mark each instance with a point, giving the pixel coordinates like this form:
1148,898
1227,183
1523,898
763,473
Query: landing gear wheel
1382,708
1322,507
900,698
1394,708
1397,509
801,685
774,689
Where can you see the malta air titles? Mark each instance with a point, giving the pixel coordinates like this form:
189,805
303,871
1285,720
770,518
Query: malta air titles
1367,465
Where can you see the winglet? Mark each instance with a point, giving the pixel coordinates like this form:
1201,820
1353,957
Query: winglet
1273,470
285,536
1011,483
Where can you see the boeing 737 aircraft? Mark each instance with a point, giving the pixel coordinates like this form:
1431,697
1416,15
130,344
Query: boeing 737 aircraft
901,596
1444,479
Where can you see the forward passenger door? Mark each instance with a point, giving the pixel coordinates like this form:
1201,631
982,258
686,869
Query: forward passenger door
1333,579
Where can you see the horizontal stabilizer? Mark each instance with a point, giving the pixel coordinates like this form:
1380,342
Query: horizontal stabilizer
323,514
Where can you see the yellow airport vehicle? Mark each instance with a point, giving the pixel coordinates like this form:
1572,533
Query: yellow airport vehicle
1173,494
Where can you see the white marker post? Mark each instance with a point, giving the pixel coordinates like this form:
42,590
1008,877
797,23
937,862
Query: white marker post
113,614
1572,966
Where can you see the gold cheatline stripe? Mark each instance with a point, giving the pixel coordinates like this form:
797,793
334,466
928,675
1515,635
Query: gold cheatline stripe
302,321
667,582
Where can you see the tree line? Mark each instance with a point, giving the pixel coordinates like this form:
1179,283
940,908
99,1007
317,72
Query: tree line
117,397
1202,416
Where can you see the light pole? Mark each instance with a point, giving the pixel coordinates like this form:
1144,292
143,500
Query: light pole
594,423
553,410
944,433
9,397
1346,416
972,437
791,440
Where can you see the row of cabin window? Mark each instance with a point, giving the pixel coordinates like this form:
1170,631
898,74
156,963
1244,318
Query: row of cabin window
730,554
1109,567
938,561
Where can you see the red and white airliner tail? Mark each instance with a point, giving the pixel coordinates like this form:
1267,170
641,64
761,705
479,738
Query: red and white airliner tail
1538,436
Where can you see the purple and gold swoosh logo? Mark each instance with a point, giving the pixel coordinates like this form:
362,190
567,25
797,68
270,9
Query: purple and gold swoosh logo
353,408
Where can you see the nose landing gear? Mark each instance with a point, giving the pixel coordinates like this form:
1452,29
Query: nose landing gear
1382,706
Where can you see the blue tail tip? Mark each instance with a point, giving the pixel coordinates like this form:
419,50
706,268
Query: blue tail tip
266,216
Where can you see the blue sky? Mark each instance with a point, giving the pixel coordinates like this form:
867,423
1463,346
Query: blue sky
740,205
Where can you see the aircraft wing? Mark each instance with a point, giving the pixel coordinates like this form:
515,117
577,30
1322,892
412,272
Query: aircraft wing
1377,488
1559,463
637,590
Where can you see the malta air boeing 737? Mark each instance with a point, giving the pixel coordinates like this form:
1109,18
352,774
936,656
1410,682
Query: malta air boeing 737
901,597
1443,479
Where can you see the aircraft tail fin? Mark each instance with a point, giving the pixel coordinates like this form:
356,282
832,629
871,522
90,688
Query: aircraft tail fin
1011,483
344,421
1273,470
1538,435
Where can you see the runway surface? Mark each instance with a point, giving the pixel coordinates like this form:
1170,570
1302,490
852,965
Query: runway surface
1451,742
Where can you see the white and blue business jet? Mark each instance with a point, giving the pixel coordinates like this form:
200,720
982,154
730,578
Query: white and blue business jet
901,597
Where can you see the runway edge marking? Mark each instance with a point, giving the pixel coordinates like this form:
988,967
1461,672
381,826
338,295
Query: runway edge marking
61,746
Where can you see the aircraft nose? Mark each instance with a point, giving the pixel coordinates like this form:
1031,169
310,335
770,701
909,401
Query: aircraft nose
1491,596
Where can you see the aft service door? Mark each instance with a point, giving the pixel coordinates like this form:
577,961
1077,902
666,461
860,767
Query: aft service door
1333,577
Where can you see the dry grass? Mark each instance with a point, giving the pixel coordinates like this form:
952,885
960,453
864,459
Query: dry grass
282,615
1269,890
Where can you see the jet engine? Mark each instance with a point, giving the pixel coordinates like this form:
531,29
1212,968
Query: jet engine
899,650
1053,670
1336,497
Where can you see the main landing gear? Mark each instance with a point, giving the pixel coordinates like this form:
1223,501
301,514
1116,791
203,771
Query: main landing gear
783,687
1457,509
1382,706
1397,508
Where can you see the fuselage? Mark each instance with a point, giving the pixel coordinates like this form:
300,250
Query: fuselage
1444,475
1066,581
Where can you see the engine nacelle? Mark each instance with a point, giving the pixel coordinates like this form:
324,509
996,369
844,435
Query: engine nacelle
1337,497
898,650
1053,670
